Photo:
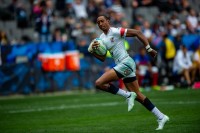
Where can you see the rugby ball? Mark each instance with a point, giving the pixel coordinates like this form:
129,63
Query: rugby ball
101,49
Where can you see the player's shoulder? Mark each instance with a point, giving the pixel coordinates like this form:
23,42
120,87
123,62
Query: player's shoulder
114,29
117,30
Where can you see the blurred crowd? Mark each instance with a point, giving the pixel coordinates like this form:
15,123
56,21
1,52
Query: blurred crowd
163,22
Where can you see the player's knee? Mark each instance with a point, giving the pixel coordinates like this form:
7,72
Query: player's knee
98,84
140,97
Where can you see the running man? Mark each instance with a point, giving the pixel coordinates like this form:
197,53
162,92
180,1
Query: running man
113,38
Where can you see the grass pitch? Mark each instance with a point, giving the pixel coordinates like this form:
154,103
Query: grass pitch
98,113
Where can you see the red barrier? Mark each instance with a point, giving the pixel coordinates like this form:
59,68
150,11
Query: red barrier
72,61
52,62
60,61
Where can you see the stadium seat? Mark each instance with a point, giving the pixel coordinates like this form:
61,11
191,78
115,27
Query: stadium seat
154,11
1,25
17,33
60,22
10,25
29,32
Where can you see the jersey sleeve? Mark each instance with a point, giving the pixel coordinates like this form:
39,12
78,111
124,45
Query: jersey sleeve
121,32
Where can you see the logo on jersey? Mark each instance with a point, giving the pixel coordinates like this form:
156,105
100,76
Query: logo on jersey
127,72
112,39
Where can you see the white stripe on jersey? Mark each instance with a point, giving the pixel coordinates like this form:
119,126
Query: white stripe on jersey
114,42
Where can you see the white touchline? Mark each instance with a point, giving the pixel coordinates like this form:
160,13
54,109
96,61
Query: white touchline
61,107
66,107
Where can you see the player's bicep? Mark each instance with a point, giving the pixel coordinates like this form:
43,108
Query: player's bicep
132,33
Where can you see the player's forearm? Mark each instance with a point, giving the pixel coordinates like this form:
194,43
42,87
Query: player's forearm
101,58
142,38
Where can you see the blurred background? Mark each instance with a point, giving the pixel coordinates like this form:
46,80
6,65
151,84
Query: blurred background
44,43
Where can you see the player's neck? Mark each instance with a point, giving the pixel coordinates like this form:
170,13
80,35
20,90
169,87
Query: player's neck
106,31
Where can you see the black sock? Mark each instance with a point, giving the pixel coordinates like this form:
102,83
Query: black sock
112,89
146,103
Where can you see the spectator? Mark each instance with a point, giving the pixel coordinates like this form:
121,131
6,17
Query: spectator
189,28
108,3
68,44
60,5
182,64
0,57
138,3
101,7
198,26
49,8
192,20
82,43
166,5
174,19
125,24
118,18
117,7
196,64
92,10
169,27
147,30
77,31
80,9
176,25
12,7
145,69
185,5
3,38
22,16
37,9
178,41
168,54
138,20
43,24
69,11
88,27
57,37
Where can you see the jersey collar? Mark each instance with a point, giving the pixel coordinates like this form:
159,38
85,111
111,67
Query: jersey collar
108,31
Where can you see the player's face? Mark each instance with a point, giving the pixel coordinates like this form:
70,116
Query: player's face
103,23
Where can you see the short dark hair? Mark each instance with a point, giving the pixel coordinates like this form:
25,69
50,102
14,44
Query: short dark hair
183,46
104,15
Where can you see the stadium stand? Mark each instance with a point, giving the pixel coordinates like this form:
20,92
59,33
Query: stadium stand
21,37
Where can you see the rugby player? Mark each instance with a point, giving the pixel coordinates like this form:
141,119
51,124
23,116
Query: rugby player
113,38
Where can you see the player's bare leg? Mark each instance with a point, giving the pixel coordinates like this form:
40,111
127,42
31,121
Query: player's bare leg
103,83
161,118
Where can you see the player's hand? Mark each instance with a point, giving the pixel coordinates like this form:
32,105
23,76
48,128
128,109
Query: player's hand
95,45
153,53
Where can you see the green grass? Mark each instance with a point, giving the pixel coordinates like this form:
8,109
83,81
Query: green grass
98,113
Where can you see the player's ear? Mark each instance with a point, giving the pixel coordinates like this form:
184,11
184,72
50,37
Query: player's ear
108,21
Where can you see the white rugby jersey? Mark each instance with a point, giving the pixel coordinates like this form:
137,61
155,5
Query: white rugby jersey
114,42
